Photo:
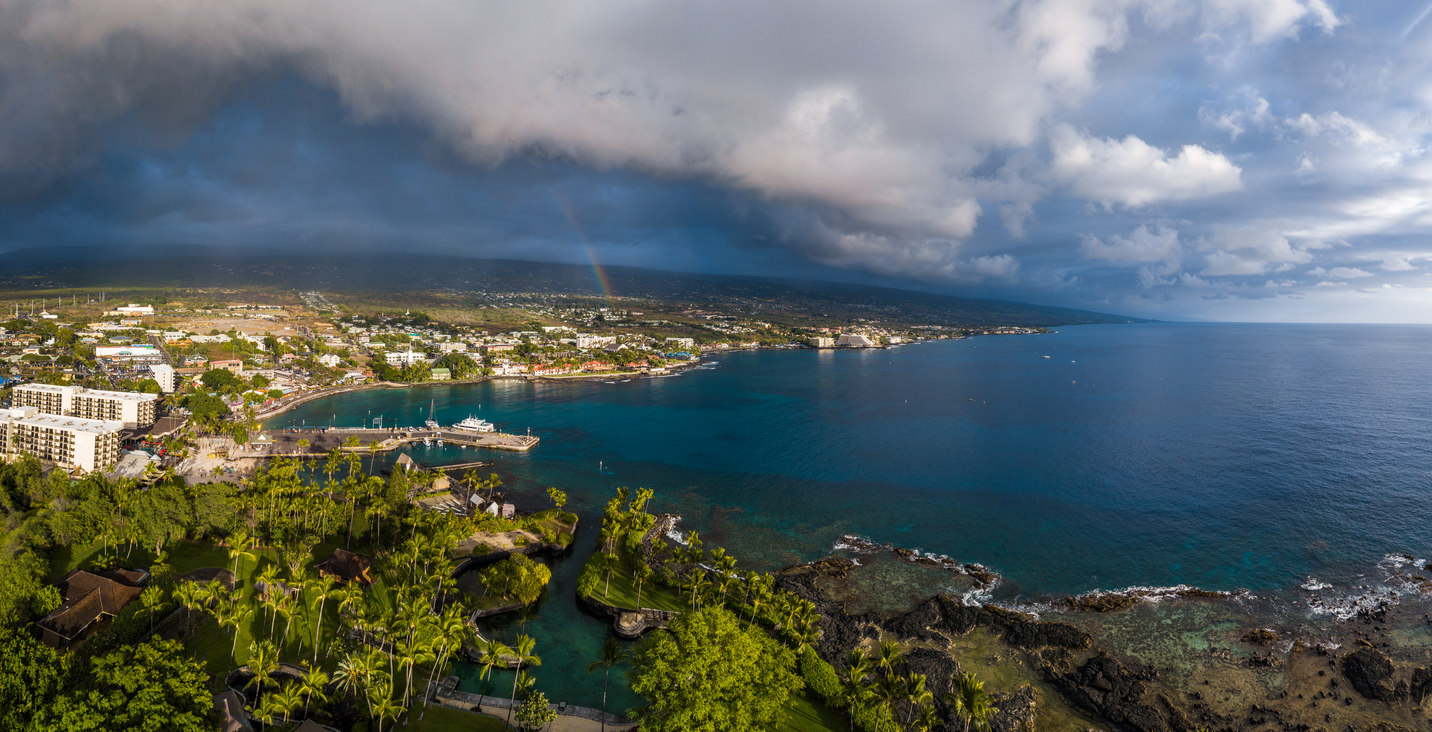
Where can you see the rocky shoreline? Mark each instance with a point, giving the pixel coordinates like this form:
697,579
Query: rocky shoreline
1174,659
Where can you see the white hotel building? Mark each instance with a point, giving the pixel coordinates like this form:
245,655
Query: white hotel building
128,408
69,442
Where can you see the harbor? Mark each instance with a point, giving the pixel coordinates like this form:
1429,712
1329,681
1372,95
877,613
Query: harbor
320,442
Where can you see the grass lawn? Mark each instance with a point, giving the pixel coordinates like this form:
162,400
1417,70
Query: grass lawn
623,593
550,519
441,719
808,715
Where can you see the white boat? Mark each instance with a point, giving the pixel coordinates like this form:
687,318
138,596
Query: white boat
431,423
475,424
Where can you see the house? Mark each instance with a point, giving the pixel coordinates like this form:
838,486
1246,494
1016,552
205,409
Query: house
405,462
441,374
91,602
346,566
330,360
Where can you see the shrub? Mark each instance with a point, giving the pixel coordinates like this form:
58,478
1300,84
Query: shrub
589,580
548,536
565,539
520,541
874,717
820,677
569,518
480,550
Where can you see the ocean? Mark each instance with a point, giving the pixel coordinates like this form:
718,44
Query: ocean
1258,457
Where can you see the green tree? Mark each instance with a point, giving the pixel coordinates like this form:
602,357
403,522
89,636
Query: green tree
31,675
535,712
734,678
145,687
222,380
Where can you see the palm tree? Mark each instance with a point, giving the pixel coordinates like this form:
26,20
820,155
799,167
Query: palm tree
970,703
523,652
928,719
451,632
855,694
288,699
916,695
239,544
353,675
388,709
890,689
263,661
612,654
314,684
235,617
492,656
326,588
640,572
890,656
151,598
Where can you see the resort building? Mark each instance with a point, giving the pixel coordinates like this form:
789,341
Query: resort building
130,408
822,342
91,602
855,340
69,442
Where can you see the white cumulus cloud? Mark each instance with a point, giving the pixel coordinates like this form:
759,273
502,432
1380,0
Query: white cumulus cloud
1134,173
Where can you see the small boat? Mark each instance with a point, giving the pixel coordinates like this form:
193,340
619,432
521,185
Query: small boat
440,442
431,423
427,442
474,424
1044,357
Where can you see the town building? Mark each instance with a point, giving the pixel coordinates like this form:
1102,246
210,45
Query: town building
130,408
234,366
69,442
330,360
822,342
132,309
441,374
587,340
687,343
164,374
404,359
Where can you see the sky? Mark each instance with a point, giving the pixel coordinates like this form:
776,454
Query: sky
1245,160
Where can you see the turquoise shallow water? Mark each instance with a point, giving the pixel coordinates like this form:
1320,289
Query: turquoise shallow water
1222,456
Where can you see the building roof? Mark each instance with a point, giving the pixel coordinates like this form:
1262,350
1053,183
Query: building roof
74,424
88,596
346,565
232,717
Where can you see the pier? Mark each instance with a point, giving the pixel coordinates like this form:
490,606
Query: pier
322,441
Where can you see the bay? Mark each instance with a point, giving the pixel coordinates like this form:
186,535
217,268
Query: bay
1222,456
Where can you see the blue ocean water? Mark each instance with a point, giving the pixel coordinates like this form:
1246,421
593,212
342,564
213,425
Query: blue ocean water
1220,456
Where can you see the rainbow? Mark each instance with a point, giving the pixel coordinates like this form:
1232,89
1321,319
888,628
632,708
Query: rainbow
598,274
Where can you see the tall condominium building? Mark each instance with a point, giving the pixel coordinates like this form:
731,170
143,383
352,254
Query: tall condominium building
69,442
164,374
130,408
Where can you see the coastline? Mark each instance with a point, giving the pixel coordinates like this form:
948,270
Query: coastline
1141,659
